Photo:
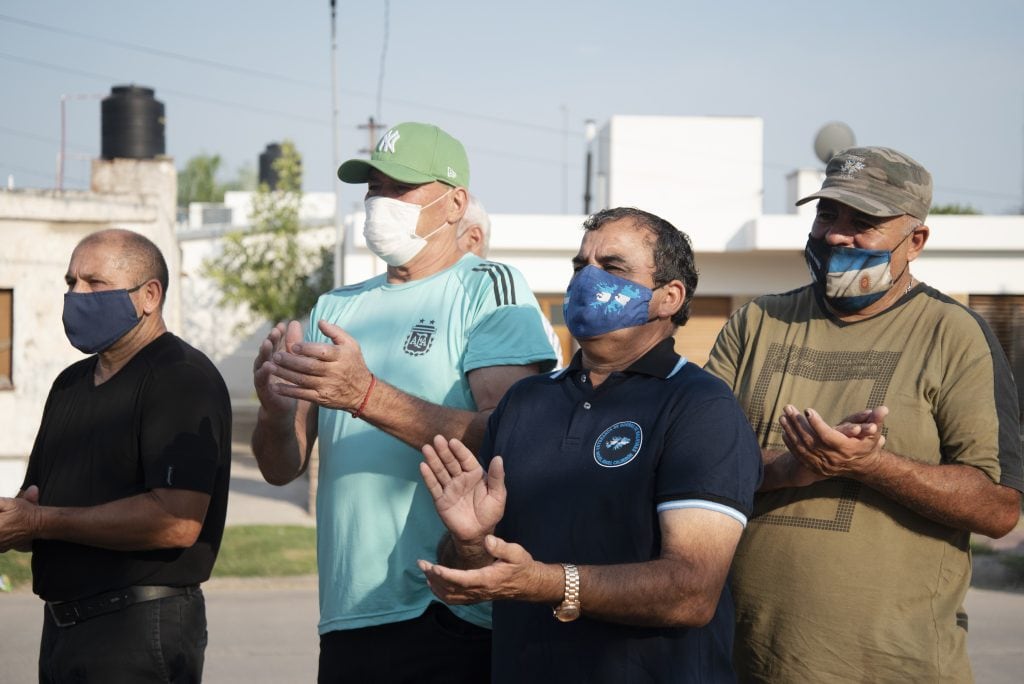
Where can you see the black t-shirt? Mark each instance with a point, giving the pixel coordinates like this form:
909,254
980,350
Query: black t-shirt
587,471
163,421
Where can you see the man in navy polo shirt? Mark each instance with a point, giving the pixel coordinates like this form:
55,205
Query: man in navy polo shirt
621,489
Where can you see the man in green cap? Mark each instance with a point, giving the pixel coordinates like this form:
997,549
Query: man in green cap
428,347
855,564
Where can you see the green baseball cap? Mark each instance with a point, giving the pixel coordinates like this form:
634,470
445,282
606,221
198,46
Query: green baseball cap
877,181
414,153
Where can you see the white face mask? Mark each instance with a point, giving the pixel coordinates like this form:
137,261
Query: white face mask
390,228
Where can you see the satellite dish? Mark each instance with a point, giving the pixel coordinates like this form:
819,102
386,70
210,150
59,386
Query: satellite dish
833,137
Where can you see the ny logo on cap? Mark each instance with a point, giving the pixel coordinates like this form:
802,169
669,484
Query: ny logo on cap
388,140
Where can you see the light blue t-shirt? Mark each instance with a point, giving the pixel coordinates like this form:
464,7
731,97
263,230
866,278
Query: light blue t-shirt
375,517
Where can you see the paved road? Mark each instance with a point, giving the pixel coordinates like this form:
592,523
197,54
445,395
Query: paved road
265,631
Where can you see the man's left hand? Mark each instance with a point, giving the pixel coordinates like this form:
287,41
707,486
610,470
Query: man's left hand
19,521
333,375
513,575
853,446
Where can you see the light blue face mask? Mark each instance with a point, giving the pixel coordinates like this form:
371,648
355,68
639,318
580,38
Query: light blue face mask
95,320
597,302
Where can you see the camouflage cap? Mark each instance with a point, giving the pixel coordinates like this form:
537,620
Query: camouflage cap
878,181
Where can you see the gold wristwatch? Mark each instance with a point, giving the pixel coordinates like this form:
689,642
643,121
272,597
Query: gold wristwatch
569,609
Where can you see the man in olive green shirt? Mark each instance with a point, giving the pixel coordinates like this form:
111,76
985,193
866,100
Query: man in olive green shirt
888,421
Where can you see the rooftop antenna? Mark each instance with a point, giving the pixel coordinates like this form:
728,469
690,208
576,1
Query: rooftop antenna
832,138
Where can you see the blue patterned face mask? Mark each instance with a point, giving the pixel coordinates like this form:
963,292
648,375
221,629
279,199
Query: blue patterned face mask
95,320
598,302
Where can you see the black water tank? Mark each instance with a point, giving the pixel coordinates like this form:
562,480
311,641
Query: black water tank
268,174
132,124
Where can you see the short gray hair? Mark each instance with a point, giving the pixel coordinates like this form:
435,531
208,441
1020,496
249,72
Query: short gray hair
476,215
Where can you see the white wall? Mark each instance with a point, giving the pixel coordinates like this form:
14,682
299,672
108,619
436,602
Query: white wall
702,174
314,206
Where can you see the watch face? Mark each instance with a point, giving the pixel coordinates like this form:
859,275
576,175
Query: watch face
567,613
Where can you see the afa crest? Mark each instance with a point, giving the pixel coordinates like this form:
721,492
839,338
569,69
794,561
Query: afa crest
619,444
420,338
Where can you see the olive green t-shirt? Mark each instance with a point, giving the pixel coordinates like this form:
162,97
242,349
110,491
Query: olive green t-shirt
835,582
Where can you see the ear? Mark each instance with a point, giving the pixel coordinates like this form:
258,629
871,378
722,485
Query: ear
916,241
671,301
457,207
152,294
472,240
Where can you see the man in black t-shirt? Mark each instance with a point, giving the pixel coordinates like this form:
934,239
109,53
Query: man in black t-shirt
124,498
621,489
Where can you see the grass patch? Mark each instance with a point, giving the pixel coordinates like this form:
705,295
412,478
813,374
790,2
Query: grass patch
245,551
17,566
981,549
266,551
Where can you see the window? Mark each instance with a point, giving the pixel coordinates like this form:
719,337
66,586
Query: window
6,338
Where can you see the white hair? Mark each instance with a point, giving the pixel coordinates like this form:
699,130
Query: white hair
476,215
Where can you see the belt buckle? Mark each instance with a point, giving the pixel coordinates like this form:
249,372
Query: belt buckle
60,622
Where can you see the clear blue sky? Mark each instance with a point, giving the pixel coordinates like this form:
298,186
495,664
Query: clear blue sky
942,81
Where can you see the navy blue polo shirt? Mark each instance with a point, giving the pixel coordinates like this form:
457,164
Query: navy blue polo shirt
587,471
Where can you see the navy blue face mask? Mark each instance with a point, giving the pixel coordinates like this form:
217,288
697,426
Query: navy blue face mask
95,320
598,302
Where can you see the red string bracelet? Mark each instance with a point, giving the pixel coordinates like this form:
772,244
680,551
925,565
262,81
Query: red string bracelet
366,397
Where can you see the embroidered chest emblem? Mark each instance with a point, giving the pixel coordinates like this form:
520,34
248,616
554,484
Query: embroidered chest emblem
420,338
619,444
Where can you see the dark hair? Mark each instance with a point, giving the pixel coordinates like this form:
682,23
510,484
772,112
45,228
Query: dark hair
673,255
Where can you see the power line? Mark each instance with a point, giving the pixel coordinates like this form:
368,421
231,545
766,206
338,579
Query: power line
76,147
272,76
191,96
162,53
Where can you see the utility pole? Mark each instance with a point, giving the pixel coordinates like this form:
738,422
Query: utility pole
339,231
590,132
371,126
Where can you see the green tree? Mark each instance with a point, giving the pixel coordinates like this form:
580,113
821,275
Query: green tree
197,182
266,267
953,209
245,179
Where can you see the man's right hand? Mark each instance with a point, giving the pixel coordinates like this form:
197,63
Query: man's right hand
469,503
281,337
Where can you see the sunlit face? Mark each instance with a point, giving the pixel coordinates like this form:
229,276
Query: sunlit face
99,266
843,226
432,216
620,248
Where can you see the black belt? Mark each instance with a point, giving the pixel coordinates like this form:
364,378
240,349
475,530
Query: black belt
67,613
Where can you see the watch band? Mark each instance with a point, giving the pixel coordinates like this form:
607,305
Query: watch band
572,583
569,609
